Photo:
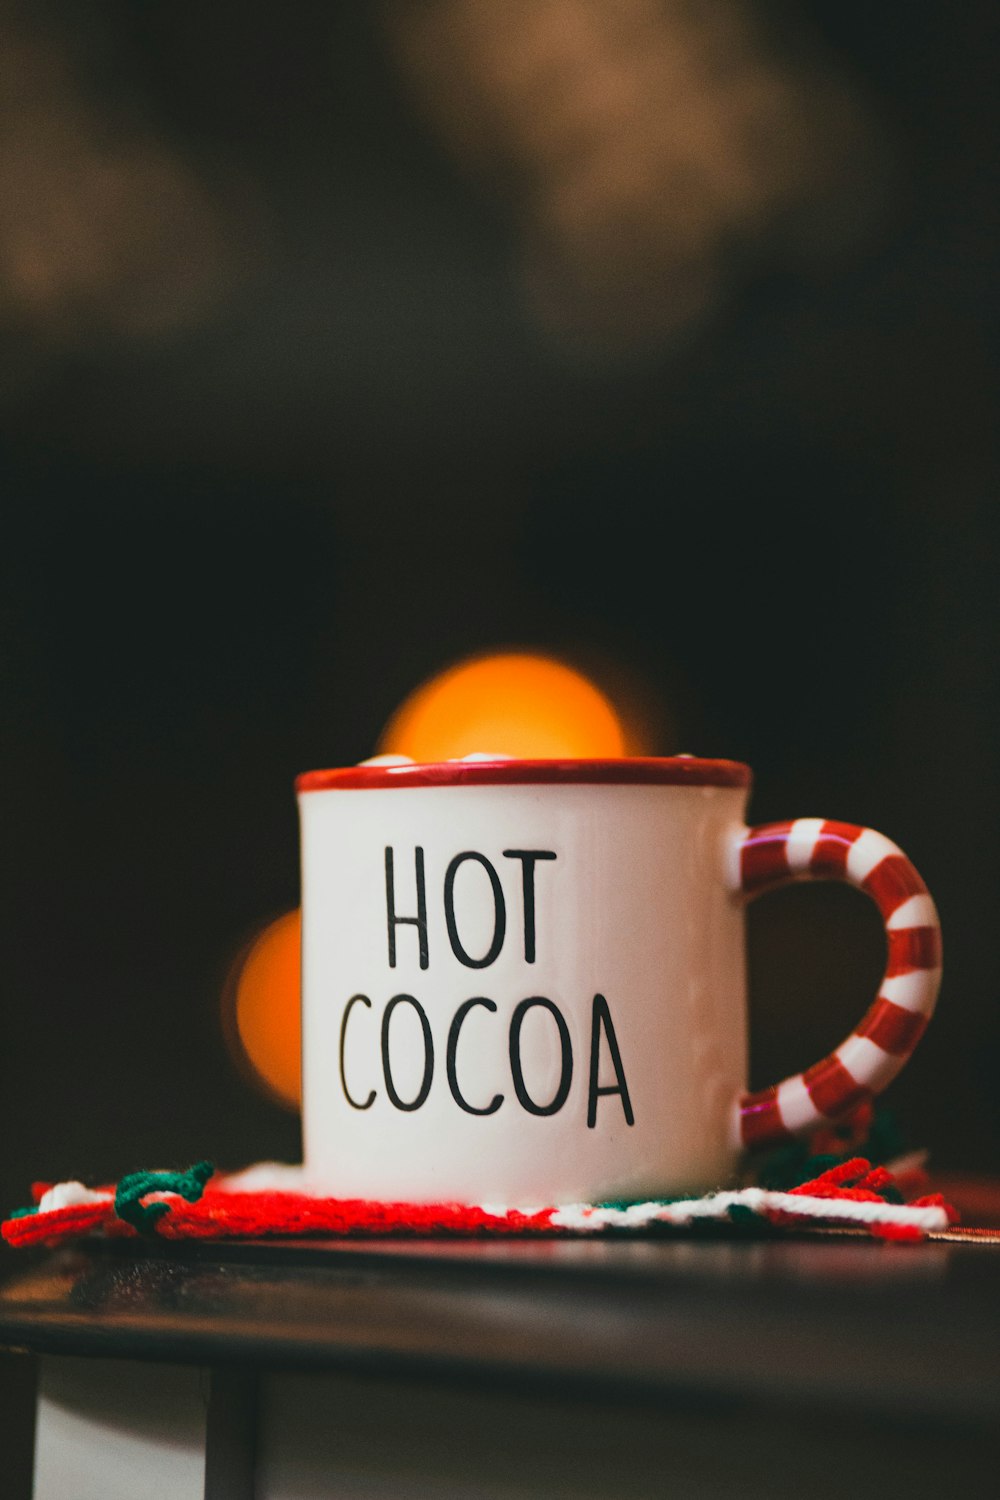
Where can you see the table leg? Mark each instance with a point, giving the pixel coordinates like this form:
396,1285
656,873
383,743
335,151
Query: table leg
108,1429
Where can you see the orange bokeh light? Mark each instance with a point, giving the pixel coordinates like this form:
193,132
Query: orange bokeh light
266,1008
514,703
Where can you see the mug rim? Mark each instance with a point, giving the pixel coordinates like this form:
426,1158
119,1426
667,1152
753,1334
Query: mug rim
672,770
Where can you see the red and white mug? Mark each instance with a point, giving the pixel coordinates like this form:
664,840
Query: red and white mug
524,981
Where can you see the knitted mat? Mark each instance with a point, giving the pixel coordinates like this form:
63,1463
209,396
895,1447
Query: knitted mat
275,1200
823,1184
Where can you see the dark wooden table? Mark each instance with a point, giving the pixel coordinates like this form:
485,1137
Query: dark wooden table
627,1367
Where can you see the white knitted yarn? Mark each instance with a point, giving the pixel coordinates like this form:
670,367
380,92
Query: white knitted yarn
584,1216
69,1195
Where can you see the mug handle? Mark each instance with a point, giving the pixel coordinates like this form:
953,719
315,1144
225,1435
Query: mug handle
774,854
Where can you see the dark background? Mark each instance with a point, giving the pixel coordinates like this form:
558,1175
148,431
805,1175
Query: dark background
275,452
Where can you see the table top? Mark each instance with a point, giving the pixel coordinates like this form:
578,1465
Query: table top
838,1321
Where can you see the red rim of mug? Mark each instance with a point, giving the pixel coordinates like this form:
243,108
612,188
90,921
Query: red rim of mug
674,770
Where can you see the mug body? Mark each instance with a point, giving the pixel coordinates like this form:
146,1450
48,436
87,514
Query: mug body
523,982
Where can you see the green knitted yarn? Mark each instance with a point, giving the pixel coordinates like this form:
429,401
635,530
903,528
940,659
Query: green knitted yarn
789,1166
743,1216
623,1203
133,1188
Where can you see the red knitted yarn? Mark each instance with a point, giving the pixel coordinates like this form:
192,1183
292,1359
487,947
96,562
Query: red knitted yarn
250,1215
61,1224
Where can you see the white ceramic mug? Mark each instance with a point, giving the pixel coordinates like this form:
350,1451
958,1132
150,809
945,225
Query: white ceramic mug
523,981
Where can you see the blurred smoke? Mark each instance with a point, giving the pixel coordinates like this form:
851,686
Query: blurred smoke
652,152
105,231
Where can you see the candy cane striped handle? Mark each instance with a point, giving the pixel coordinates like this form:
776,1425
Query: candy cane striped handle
870,1058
